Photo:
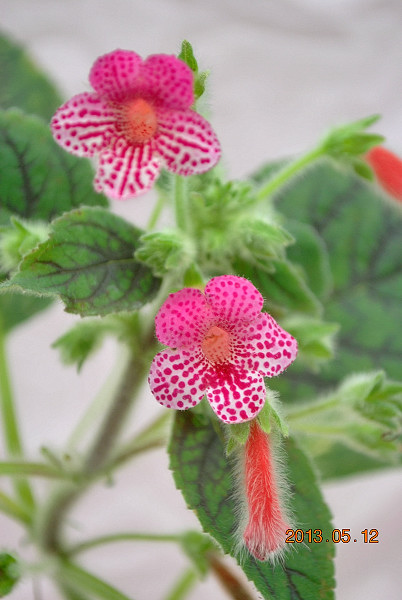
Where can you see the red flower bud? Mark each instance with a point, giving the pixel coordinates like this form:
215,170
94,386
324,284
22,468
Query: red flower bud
388,170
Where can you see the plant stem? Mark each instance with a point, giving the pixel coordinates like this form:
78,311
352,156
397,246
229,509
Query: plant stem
79,579
19,468
282,177
9,507
51,522
123,537
184,584
228,580
179,200
10,424
153,219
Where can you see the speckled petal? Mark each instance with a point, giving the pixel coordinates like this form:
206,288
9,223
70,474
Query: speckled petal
264,346
178,379
233,299
84,125
183,318
126,171
237,395
186,142
167,81
115,76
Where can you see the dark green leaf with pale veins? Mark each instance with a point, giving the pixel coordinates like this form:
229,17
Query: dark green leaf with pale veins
204,475
88,262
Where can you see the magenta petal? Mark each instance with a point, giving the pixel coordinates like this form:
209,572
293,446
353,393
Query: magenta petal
186,142
183,318
167,81
233,299
126,171
237,395
84,125
115,75
267,347
177,379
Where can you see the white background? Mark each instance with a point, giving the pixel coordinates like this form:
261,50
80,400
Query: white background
282,73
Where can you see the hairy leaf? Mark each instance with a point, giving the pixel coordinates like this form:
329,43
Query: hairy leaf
88,262
204,475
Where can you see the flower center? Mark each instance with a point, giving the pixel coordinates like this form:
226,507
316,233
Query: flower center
140,121
216,345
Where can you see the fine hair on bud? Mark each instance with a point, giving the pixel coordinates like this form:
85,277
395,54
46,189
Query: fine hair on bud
262,497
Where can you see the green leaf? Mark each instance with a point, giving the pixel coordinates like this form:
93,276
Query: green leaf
204,475
363,414
187,56
362,236
348,141
23,85
9,573
88,262
39,180
284,288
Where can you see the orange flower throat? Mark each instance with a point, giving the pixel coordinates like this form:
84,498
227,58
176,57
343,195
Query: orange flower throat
216,345
140,121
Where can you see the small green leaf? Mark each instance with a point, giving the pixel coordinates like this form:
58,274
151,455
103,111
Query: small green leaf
88,262
9,573
204,475
363,414
165,251
17,239
348,141
187,56
23,85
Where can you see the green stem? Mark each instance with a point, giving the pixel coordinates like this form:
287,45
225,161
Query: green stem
79,579
123,537
10,508
153,219
12,438
180,202
20,468
282,177
49,527
184,585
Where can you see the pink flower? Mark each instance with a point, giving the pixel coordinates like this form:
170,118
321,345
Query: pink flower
265,533
388,170
137,120
223,347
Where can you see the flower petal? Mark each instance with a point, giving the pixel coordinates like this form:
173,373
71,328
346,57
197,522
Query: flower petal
183,318
167,81
178,379
186,142
125,170
115,75
84,125
264,346
237,395
233,299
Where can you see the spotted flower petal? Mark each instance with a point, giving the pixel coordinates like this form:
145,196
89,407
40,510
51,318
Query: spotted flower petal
233,299
183,318
186,142
115,76
84,125
264,346
178,379
237,395
125,171
168,81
